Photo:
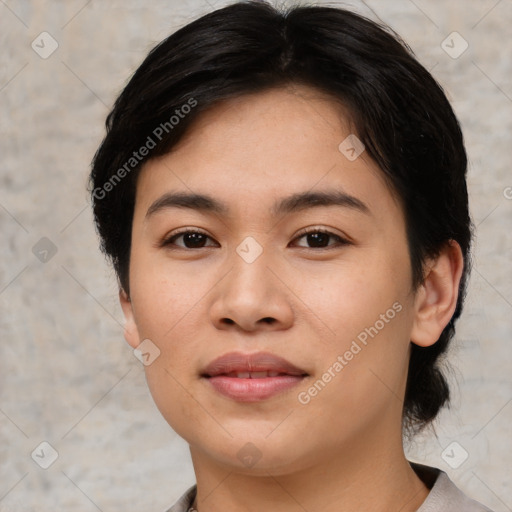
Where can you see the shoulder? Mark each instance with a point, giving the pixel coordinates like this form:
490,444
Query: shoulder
185,501
444,495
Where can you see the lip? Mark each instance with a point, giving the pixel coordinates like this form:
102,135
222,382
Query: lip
222,372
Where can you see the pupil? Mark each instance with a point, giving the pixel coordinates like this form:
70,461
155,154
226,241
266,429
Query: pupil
193,240
318,239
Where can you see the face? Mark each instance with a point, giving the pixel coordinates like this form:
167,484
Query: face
293,270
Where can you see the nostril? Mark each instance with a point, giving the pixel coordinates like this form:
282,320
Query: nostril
267,320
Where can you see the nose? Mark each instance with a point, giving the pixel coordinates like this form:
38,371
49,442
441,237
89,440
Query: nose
252,296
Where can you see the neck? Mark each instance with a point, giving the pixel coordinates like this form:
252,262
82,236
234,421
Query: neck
361,476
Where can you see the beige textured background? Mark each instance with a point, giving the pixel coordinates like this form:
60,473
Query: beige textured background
67,376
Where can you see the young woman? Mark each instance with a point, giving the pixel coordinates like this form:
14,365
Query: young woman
283,197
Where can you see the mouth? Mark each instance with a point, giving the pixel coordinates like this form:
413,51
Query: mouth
252,377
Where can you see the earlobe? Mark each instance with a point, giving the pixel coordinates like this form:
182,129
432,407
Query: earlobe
131,333
436,298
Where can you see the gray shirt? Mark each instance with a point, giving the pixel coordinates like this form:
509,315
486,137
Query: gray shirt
444,495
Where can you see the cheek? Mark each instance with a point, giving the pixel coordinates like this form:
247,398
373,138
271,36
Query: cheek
367,308
345,299
360,378
164,296
166,313
172,398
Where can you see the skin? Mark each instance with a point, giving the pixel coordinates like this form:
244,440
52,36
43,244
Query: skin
342,451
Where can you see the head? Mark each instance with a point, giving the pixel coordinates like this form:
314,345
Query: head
270,128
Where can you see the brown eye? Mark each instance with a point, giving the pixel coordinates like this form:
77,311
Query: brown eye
190,240
319,239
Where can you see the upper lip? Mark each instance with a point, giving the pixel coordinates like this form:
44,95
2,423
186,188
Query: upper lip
258,362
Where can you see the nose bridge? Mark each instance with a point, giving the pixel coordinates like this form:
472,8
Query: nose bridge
251,279
251,295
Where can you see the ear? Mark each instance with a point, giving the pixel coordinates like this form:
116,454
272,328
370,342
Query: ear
436,298
131,333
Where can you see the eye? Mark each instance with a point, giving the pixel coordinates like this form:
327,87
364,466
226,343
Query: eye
318,238
191,239
315,238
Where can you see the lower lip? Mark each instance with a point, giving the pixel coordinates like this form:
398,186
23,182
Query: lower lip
253,390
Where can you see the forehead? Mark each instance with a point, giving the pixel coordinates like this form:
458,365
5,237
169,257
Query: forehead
273,143
286,121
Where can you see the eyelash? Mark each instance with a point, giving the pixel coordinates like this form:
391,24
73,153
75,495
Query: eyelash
169,241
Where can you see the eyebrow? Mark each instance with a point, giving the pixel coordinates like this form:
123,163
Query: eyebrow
294,203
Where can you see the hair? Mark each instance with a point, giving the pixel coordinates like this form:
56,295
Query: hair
399,112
